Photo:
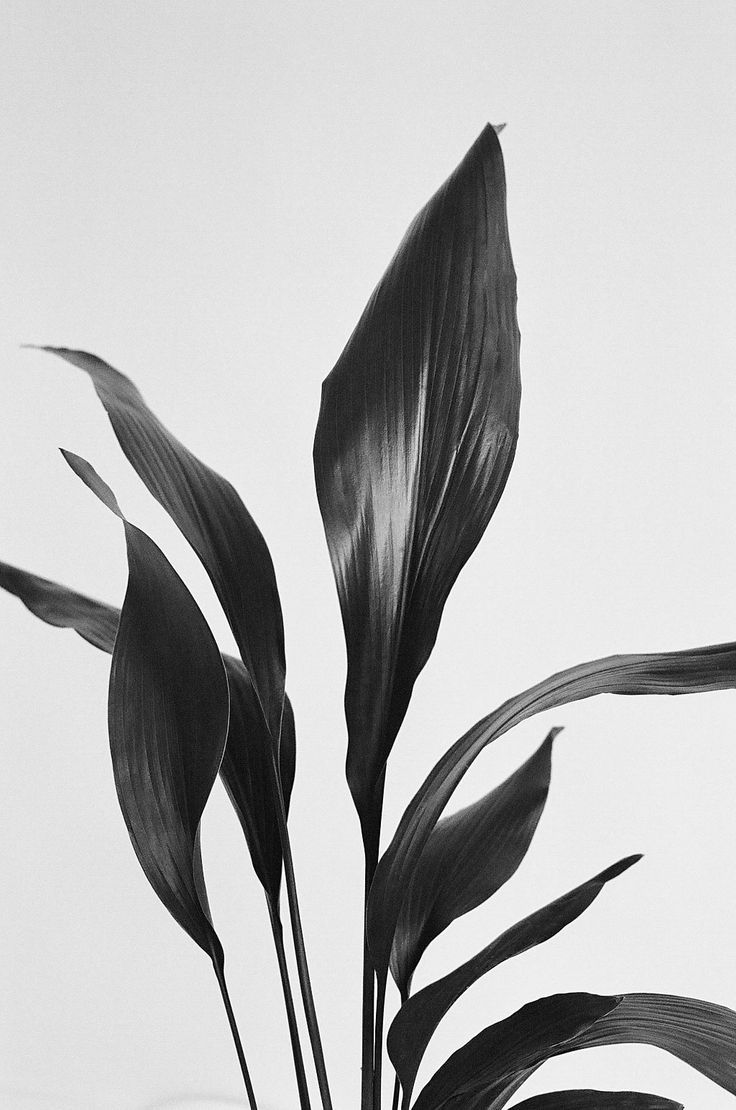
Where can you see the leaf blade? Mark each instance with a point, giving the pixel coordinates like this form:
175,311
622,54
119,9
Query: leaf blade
414,443
468,857
212,517
598,1100
416,1021
695,670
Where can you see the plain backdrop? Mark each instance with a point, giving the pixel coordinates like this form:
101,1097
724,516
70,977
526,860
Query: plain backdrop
205,194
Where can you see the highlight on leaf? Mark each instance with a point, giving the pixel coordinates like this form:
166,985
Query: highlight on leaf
468,857
415,440
419,1016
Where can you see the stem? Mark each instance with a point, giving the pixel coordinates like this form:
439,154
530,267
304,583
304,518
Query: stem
371,829
220,976
397,1093
378,1042
296,1048
299,949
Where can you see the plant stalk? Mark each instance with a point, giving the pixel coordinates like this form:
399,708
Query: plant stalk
397,1093
296,1048
299,949
220,976
378,1042
371,829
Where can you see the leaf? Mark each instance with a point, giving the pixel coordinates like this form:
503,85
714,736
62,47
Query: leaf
701,1034
246,768
95,622
496,1056
212,517
678,672
420,1015
168,719
467,858
598,1100
415,439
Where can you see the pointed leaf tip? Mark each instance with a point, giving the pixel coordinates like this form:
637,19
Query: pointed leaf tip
92,480
414,444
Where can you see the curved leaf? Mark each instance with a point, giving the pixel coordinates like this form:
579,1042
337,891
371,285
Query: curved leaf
484,1067
420,1015
468,857
415,440
56,605
246,768
212,517
679,672
167,719
701,1034
598,1100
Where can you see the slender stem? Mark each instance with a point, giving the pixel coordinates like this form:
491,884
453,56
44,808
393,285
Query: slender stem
397,1093
371,828
296,1048
378,1042
299,948
220,976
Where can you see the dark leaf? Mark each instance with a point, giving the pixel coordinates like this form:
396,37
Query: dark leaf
246,768
678,672
415,440
214,520
95,622
467,858
700,1033
484,1067
420,1015
167,718
598,1100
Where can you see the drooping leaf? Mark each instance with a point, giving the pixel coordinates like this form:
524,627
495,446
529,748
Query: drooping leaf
64,608
598,1100
246,766
212,517
468,857
167,718
495,1057
420,1015
415,440
679,672
701,1034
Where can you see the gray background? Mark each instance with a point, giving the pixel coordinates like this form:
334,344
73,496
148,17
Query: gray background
205,195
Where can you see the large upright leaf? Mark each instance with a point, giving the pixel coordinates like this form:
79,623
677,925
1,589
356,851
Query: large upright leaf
214,520
598,1100
420,1015
167,717
496,1056
678,672
246,769
414,443
468,857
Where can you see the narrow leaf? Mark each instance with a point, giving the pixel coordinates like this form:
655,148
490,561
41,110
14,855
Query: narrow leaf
496,1056
420,1015
212,517
467,858
167,718
678,672
598,1100
414,443
56,605
700,1033
246,768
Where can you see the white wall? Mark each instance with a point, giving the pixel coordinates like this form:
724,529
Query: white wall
205,195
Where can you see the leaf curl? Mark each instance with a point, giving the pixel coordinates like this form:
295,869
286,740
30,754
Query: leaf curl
212,517
415,440
694,670
167,718
468,857
416,1021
